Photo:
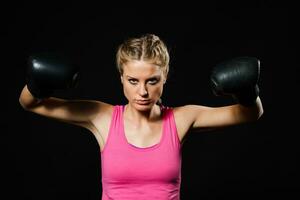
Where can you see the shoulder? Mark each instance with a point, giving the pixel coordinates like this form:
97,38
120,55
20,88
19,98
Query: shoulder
187,115
189,110
104,109
197,118
104,113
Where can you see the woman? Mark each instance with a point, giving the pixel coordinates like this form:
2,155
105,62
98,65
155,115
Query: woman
140,142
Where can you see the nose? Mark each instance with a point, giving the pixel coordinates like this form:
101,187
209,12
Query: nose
143,90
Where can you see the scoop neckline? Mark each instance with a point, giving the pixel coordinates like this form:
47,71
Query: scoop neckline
151,147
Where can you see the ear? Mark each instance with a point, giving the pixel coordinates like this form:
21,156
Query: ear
165,80
122,79
165,77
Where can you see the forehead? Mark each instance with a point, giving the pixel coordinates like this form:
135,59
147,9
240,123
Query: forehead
141,69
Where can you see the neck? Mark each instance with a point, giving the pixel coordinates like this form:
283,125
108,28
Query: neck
138,116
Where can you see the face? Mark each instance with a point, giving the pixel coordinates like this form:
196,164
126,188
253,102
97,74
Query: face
142,84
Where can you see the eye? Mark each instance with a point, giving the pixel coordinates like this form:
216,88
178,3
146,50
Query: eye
132,81
153,81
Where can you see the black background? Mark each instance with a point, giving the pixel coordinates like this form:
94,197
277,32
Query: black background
46,159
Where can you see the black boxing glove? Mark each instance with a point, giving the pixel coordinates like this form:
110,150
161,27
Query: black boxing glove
47,73
238,78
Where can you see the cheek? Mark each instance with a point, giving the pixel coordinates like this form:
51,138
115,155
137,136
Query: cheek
128,90
157,91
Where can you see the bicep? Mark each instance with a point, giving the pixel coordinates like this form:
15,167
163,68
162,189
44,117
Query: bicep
209,118
71,111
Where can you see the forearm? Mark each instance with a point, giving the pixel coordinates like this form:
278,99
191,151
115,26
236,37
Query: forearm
27,100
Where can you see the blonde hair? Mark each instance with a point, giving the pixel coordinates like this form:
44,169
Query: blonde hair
148,48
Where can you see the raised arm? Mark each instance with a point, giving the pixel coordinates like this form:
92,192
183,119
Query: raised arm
237,78
46,74
77,112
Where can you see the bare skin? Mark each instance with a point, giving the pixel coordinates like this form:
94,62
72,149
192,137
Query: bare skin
143,84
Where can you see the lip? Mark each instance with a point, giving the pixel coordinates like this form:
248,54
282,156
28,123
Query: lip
143,102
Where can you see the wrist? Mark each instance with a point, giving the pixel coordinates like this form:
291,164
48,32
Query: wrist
248,96
37,92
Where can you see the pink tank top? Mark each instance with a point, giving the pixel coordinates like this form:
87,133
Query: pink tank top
131,172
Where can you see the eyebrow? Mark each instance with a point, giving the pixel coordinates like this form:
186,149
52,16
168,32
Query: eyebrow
152,77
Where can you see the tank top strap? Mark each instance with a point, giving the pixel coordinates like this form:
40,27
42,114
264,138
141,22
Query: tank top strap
114,127
170,128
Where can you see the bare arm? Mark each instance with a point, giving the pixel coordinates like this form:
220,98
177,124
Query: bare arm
211,118
78,112
197,118
238,78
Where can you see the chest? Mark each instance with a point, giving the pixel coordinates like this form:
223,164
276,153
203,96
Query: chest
123,165
143,135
